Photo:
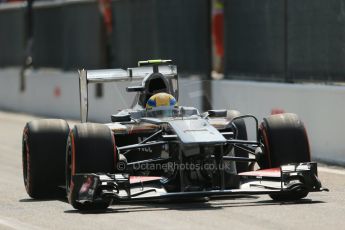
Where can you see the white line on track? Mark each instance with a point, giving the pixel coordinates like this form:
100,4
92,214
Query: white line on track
10,223
331,170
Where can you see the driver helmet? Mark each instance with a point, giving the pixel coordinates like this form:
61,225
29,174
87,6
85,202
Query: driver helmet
161,101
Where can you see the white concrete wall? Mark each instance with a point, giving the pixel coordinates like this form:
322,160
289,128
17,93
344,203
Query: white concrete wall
321,108
56,94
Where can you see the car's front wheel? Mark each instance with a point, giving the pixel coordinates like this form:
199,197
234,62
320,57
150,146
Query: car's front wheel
285,141
90,149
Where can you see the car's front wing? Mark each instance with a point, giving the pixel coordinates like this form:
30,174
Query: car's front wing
122,187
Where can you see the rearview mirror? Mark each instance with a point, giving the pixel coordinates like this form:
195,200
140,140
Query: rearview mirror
135,89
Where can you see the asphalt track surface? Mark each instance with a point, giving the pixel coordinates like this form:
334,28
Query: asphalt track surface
324,210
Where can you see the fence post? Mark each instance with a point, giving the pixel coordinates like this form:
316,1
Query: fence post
206,84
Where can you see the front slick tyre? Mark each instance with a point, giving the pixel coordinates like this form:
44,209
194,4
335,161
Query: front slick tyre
285,140
90,149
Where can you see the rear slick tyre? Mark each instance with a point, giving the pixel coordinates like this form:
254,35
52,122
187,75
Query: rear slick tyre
43,155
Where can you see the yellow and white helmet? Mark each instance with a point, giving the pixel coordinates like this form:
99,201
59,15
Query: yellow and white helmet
162,100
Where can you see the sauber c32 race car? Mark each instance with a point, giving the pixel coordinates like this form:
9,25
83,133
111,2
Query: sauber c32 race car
155,154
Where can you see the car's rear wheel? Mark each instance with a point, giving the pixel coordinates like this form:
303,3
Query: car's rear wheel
43,155
285,141
90,149
241,129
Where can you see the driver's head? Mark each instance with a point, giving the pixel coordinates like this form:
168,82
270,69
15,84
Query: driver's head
161,100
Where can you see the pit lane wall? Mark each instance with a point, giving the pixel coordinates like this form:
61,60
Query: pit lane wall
56,94
321,108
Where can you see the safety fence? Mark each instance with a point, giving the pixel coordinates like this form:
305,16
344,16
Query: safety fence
175,29
280,40
286,40
72,34
12,36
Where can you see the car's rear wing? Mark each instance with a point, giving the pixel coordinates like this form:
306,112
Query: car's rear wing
118,75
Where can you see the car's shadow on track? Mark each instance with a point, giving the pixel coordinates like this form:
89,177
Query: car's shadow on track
187,205
32,200
60,195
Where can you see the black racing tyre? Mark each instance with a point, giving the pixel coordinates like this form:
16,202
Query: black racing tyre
242,135
285,141
90,149
43,156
